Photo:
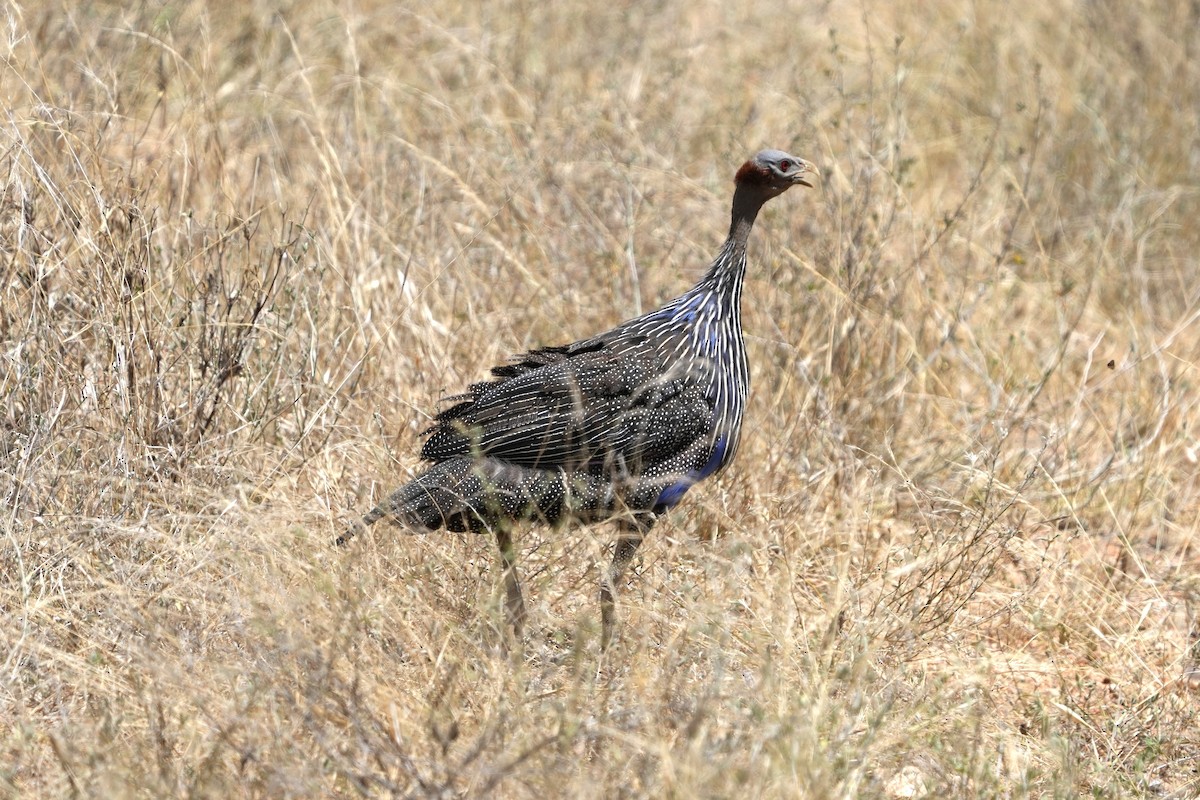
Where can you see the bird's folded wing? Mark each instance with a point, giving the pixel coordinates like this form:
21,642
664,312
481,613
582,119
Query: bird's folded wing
592,408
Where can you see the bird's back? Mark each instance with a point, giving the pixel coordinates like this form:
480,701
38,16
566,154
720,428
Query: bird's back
643,410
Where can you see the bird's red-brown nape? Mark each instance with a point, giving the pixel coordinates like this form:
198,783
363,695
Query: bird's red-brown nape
752,173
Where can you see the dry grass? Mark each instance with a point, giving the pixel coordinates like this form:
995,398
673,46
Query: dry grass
246,249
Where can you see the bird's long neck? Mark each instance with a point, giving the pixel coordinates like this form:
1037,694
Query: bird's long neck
726,273
747,200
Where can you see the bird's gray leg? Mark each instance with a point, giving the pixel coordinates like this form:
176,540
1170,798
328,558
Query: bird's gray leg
360,526
632,534
514,603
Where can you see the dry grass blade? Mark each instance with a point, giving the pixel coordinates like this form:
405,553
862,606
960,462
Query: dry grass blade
244,250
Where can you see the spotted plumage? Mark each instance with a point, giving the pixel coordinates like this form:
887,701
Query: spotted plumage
619,425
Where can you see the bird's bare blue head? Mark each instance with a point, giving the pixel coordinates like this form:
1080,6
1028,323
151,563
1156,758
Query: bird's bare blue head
768,174
773,172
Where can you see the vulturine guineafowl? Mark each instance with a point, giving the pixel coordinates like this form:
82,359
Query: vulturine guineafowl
620,425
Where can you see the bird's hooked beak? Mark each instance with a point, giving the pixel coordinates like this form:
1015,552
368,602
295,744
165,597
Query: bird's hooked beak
806,174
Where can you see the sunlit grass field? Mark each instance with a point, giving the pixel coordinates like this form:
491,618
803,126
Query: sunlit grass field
246,250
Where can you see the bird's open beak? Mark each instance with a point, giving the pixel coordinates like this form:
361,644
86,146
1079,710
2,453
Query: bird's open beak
809,174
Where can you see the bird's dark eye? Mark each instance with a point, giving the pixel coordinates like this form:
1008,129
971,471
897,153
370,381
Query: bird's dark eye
786,166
